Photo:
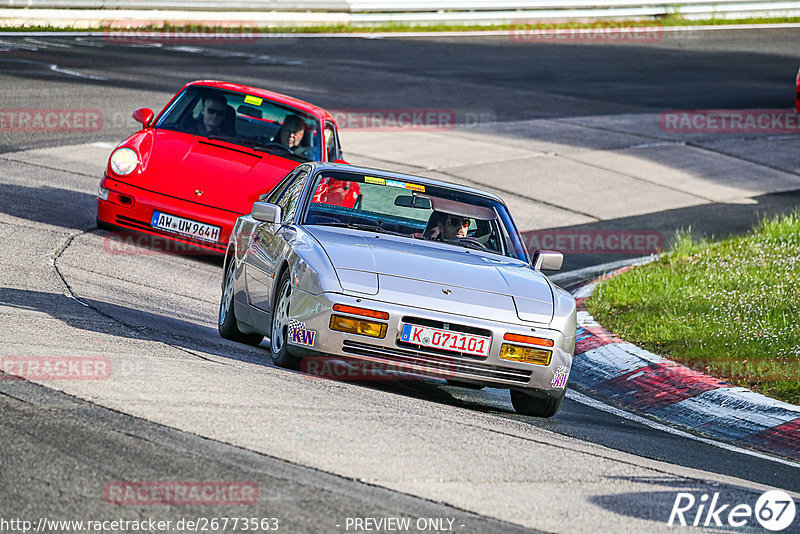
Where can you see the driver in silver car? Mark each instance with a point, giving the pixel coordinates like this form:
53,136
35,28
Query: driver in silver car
447,227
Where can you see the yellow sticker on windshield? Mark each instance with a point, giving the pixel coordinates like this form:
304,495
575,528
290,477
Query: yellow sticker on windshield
415,187
371,180
254,100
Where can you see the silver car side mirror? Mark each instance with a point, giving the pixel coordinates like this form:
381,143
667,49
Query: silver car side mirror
548,259
266,212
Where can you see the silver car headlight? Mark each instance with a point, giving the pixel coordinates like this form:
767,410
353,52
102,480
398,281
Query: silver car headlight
124,161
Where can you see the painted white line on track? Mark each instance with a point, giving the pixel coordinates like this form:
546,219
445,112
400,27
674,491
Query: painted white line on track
19,46
47,44
382,35
75,73
593,403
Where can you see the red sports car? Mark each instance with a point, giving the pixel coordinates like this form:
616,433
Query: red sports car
207,157
797,94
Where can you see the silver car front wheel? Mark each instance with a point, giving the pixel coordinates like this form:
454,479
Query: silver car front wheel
280,325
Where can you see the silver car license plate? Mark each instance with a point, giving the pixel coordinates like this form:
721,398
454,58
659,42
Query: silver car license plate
446,339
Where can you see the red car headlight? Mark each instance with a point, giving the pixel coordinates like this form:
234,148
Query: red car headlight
124,161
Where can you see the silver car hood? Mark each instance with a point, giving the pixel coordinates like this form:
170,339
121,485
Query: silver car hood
416,272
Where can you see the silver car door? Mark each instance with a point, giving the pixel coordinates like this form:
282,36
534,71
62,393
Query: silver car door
269,245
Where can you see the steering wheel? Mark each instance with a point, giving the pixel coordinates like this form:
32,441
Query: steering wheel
466,240
473,240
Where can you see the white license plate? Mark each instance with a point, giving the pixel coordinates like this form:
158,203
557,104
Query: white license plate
446,339
187,227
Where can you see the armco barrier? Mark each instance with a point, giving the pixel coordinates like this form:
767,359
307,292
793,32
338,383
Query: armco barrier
446,11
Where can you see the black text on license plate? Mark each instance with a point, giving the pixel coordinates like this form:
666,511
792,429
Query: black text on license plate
187,227
445,339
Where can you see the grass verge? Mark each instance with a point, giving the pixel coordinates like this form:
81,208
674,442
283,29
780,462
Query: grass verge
729,308
521,25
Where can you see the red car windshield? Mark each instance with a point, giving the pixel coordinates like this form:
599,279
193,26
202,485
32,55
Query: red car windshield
245,120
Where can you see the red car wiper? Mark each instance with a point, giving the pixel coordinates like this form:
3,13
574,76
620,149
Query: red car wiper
233,140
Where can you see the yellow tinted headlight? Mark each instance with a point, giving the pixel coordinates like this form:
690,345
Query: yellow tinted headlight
357,326
517,353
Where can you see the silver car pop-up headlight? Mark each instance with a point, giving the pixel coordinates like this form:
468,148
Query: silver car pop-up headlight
123,161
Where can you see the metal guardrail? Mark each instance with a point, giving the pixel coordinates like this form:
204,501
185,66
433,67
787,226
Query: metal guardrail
407,6
366,12
531,5
188,5
722,9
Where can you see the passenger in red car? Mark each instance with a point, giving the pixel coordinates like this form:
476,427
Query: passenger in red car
212,115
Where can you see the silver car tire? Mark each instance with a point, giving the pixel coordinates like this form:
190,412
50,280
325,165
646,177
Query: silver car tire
226,320
526,404
278,342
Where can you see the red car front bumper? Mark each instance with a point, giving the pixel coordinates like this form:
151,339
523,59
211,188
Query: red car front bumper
131,208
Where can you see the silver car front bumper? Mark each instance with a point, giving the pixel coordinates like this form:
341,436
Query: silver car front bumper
312,314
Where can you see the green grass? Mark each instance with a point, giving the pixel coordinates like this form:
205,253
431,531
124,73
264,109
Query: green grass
729,308
669,20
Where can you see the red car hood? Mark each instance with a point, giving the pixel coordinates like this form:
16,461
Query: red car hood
213,173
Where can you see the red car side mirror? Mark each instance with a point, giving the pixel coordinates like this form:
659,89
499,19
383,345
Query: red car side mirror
144,115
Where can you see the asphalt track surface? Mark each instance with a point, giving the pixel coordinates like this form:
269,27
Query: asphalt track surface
57,450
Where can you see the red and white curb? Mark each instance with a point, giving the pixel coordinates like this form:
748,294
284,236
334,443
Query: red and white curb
646,383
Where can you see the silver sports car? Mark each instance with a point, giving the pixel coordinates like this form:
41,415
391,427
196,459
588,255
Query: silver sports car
424,276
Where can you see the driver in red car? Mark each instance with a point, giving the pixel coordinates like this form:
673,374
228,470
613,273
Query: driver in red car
291,133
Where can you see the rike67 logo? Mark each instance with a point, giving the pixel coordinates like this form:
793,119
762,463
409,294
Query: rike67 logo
774,510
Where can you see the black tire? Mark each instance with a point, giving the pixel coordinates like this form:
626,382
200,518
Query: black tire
278,346
467,385
526,404
226,320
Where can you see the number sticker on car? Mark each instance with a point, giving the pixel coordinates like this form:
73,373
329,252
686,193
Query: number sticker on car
446,339
187,227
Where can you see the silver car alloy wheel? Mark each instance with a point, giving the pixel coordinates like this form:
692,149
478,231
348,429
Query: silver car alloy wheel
280,317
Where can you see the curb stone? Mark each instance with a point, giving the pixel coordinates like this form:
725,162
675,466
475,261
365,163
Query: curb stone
651,385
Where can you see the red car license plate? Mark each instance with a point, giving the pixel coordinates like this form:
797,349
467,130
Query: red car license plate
187,227
446,339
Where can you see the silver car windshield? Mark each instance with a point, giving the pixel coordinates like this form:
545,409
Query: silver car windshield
246,120
412,210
